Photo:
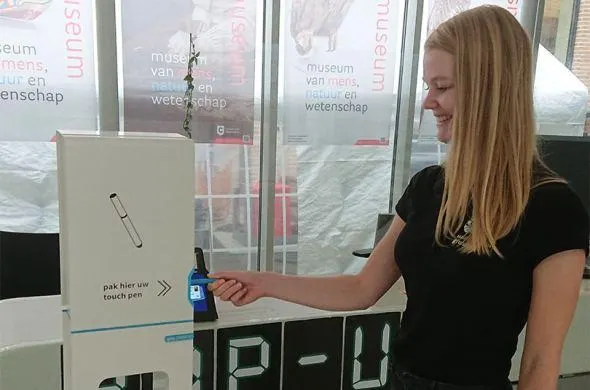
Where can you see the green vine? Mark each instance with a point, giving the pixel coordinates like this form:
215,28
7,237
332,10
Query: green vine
188,95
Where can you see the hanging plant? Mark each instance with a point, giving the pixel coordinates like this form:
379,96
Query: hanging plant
188,95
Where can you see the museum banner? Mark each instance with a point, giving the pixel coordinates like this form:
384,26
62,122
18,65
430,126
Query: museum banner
155,53
340,71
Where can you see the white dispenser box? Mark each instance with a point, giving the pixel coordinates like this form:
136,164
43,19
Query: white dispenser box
126,204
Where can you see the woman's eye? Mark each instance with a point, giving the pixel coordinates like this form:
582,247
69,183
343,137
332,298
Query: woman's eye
426,87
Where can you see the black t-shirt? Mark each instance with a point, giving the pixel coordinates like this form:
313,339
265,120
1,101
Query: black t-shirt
465,312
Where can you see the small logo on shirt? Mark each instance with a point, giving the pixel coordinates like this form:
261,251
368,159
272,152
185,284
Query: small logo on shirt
460,240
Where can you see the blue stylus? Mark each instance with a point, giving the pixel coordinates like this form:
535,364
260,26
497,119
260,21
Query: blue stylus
202,281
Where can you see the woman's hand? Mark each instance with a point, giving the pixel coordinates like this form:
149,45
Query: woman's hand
241,288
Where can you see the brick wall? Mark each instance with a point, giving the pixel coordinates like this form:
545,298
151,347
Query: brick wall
581,60
581,63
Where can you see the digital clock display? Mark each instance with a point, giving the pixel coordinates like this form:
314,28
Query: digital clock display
346,353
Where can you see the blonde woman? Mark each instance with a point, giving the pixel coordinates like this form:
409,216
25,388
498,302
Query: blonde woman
486,242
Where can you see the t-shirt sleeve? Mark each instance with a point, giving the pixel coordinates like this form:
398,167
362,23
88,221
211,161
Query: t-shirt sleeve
405,207
560,222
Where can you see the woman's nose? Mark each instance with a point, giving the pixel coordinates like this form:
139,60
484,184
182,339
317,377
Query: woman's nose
429,103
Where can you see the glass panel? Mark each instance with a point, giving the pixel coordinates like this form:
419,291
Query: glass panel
225,123
47,82
561,94
578,46
46,69
337,85
559,19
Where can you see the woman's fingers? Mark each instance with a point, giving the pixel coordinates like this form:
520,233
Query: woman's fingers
237,292
238,296
221,286
215,285
229,292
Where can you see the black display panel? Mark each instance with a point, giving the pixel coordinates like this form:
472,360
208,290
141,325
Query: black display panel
313,354
249,357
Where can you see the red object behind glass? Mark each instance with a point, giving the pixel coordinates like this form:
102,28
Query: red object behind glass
278,228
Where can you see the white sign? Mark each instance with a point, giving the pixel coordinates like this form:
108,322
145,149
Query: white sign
126,242
340,69
46,68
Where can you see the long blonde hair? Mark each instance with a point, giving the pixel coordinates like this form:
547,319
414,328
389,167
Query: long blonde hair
489,168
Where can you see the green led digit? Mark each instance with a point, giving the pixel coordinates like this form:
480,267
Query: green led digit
197,368
235,372
374,383
114,384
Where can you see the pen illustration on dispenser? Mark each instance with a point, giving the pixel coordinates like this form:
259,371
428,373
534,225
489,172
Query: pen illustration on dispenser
126,220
